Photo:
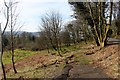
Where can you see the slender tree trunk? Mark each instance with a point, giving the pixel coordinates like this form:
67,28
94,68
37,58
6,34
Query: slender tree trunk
12,40
13,61
3,68
51,41
12,49
1,53
58,47
96,41
108,25
105,44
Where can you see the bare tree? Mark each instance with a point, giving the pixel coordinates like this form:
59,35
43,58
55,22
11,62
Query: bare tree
51,24
1,52
14,27
1,37
11,20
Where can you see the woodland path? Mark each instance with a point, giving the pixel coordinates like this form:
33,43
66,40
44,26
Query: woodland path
86,71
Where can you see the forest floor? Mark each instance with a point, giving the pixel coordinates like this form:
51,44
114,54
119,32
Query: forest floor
84,61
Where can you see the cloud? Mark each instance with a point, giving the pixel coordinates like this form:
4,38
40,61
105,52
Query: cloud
31,10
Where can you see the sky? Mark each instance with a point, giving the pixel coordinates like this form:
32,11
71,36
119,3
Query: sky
32,10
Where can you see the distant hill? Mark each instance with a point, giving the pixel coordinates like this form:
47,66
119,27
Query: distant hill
21,32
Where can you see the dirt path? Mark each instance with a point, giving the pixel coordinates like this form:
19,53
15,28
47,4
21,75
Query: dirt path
65,73
81,71
86,71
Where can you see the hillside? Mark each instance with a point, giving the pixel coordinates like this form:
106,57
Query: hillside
36,34
108,59
84,61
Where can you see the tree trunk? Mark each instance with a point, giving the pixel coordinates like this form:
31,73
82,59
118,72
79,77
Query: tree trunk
12,47
59,53
97,42
102,44
1,54
105,44
13,61
3,68
12,40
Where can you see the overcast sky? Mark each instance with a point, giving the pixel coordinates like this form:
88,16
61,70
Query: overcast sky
32,10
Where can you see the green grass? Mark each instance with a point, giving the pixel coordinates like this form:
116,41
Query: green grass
81,58
85,61
19,54
49,71
66,49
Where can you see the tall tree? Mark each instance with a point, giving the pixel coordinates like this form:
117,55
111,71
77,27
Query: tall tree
99,17
13,26
1,38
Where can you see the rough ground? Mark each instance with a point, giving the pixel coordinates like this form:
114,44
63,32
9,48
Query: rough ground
83,71
104,63
108,59
87,71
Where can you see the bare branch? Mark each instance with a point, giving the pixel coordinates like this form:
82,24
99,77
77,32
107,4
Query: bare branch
7,16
